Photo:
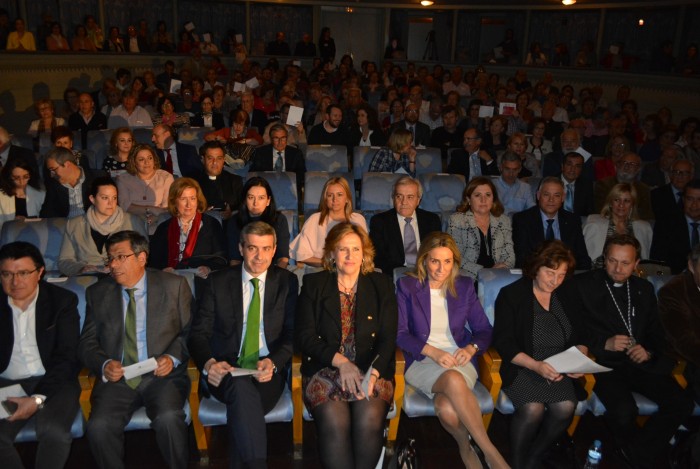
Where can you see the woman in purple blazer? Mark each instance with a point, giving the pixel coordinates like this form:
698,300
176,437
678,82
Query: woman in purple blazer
436,305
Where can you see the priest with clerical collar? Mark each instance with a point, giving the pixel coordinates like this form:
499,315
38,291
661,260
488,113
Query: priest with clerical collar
221,188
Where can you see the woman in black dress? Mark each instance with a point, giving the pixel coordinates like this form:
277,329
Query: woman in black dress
537,317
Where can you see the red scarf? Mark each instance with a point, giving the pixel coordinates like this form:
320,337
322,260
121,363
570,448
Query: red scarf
174,240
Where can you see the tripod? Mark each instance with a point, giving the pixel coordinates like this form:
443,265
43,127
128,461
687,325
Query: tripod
430,47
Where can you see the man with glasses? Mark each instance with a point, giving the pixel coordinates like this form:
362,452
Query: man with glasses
472,161
68,188
278,156
39,333
627,169
514,194
410,122
667,200
133,316
221,188
658,173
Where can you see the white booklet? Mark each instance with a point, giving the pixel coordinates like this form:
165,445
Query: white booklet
573,361
10,391
294,116
243,372
140,368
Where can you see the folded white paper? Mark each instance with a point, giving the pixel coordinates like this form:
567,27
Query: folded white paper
295,114
252,83
572,360
206,37
189,26
10,391
239,38
238,87
243,372
140,368
485,111
175,86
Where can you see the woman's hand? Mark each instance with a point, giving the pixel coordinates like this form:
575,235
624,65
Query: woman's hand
547,371
443,358
463,355
351,378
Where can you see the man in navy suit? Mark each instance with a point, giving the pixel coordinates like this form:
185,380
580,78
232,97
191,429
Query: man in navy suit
278,156
463,160
548,220
578,193
388,229
420,131
667,200
39,333
219,340
179,159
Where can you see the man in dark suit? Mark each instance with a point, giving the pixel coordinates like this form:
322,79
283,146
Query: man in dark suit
256,117
388,229
625,334
675,236
627,168
448,135
279,46
569,142
68,188
163,79
133,316
86,119
179,159
463,161
667,200
221,188
657,173
410,122
225,336
578,197
134,42
278,156
548,220
39,355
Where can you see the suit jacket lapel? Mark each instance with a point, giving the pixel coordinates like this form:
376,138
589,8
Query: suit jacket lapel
330,299
271,294
43,322
6,332
154,296
237,305
423,301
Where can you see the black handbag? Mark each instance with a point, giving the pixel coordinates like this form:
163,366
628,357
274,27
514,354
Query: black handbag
405,456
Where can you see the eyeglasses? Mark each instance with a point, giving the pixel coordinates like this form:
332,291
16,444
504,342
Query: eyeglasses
21,274
54,169
119,258
472,138
681,173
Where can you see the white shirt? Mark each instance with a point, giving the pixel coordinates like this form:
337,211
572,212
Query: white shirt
440,335
462,89
247,297
134,44
414,224
138,118
25,361
173,155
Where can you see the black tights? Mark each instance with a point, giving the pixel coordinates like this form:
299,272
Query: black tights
350,434
535,428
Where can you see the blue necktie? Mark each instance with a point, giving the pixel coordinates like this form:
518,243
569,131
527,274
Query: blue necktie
550,230
475,166
569,202
279,164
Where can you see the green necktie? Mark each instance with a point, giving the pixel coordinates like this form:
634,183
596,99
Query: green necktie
131,351
251,341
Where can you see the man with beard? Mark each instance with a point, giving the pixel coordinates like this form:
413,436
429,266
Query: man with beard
447,136
627,167
330,132
420,131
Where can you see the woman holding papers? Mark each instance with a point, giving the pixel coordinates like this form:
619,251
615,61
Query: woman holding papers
345,330
537,317
442,327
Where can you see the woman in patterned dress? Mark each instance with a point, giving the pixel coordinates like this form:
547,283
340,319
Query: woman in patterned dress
120,145
442,327
537,317
482,232
345,328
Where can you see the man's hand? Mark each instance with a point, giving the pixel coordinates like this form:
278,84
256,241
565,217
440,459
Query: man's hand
638,354
484,155
617,343
165,365
266,370
216,372
26,407
113,371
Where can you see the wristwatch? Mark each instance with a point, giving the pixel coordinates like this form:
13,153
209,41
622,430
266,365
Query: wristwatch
476,347
39,402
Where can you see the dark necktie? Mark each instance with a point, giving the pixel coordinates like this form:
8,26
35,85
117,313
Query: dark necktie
131,352
413,133
279,164
695,239
679,196
168,161
410,246
550,230
251,341
569,202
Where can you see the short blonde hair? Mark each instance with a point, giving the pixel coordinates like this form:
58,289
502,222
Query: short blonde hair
323,206
398,140
616,192
438,239
340,231
176,190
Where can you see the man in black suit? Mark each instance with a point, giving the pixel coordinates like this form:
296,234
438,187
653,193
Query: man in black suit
657,173
463,161
8,150
179,159
133,316
163,79
225,337
388,229
256,117
86,119
68,188
548,220
578,197
625,334
279,46
676,235
448,135
134,42
410,122
221,188
569,142
278,156
667,200
38,354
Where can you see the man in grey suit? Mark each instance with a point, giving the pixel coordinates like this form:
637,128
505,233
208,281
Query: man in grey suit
133,315
227,335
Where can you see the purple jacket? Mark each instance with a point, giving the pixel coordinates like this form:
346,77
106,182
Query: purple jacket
468,323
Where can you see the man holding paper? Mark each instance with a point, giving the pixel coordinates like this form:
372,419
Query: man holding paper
39,332
626,335
245,322
136,320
